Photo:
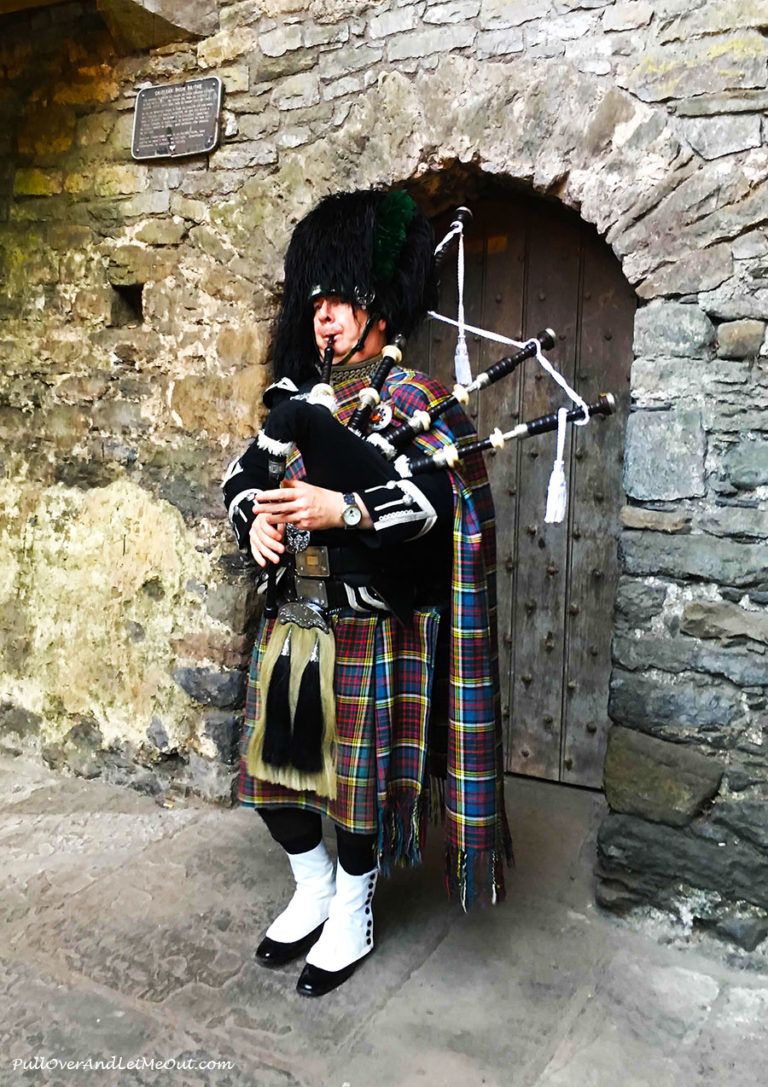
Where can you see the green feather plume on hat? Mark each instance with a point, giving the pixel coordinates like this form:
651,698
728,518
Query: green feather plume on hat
392,222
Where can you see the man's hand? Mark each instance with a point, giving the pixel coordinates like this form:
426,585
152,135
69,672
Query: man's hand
266,540
302,504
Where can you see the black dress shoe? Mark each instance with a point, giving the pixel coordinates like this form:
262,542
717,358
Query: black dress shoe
273,953
316,982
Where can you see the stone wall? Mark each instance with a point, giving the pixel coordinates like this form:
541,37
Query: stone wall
136,321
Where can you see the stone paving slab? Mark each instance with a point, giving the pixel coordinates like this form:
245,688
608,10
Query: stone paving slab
127,930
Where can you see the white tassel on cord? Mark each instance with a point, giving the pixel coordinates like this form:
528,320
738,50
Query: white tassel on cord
461,367
557,491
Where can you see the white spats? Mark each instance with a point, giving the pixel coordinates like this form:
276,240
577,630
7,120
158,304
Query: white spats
348,932
315,885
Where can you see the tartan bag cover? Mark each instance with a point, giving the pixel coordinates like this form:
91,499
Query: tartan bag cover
384,679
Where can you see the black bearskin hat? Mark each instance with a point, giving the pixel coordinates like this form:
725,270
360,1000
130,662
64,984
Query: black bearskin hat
373,249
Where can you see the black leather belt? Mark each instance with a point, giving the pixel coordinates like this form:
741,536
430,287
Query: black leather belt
317,561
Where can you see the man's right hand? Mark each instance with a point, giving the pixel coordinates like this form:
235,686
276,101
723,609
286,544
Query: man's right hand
266,540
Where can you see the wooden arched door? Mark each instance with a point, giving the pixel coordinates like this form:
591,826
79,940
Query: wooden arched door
532,264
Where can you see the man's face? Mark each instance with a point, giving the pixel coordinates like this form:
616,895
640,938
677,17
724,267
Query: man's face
336,318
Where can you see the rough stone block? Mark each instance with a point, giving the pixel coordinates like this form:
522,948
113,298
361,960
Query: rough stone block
660,857
241,156
712,105
235,79
121,179
693,556
735,521
746,464
255,126
654,520
223,690
94,129
318,34
673,710
702,270
78,183
398,21
664,457
218,405
672,328
731,62
665,782
627,16
722,17
740,339
499,43
131,265
451,11
234,603
676,655
196,210
737,298
352,58
421,43
226,45
350,84
500,14
746,818
34,182
724,621
297,92
274,43
95,304
146,203
637,602
269,70
744,931
18,722
224,730
716,136
162,231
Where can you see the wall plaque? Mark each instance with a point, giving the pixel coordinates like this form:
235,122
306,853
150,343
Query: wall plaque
177,119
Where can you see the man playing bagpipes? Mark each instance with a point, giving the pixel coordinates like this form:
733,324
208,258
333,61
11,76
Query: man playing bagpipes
373,691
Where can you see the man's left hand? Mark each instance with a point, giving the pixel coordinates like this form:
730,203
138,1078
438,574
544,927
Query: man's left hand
302,504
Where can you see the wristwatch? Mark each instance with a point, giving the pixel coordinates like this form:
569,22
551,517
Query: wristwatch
351,515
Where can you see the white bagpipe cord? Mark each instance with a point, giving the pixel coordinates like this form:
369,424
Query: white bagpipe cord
461,367
557,490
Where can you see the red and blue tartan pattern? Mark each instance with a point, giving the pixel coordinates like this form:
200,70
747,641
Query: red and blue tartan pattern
383,681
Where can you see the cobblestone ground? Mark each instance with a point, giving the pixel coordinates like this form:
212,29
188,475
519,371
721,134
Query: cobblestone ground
127,933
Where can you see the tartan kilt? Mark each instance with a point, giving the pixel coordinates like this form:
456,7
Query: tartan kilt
383,680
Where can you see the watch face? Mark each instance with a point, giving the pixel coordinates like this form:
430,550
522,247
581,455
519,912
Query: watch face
351,515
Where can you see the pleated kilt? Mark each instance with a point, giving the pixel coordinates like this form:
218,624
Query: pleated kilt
383,683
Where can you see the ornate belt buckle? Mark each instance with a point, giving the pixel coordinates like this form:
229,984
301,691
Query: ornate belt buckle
312,590
303,614
313,562
296,539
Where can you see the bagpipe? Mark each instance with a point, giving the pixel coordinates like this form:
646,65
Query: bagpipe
348,458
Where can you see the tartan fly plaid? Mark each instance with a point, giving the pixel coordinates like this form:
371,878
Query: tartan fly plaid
385,680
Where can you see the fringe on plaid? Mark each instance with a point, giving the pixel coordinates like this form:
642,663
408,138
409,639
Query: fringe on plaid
474,877
402,832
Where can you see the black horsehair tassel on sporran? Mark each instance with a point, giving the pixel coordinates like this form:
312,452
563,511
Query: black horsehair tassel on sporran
306,748
277,731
